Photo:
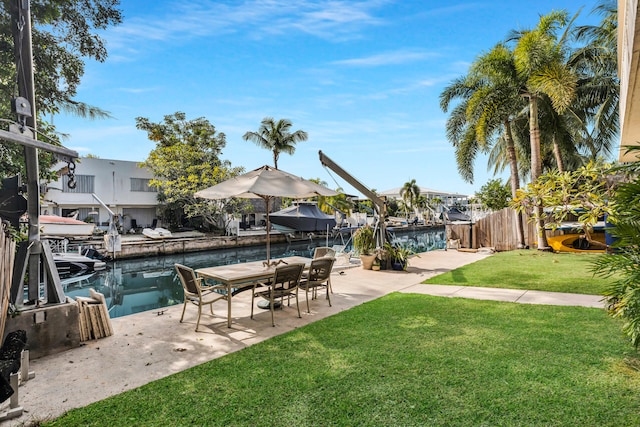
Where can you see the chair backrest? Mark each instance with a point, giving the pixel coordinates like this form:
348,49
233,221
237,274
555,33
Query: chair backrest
320,269
322,251
188,278
338,249
288,276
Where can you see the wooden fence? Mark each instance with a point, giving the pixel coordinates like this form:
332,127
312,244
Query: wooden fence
497,230
7,258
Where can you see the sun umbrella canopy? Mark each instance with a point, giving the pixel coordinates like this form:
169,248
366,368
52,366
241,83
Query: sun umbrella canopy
265,182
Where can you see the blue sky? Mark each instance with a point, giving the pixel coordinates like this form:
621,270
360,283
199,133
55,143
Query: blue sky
362,78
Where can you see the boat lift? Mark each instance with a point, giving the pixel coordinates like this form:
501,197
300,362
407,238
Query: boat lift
112,240
379,203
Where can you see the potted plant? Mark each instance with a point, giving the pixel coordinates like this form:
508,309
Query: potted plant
376,264
382,256
364,243
399,256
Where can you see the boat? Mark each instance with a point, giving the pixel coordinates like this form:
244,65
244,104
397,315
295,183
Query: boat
156,233
455,215
577,242
302,217
68,263
53,225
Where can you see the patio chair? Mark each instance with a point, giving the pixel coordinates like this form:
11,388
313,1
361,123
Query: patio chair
285,282
342,258
197,293
323,251
319,276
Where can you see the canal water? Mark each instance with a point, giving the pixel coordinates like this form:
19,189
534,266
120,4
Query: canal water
133,286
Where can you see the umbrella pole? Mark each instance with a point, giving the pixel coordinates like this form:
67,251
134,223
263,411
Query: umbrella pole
268,233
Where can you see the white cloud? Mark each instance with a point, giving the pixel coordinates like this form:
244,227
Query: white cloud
80,149
388,58
137,90
328,19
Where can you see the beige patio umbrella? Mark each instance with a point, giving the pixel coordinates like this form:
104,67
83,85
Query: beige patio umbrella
266,183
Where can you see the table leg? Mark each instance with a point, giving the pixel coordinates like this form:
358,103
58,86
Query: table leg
229,305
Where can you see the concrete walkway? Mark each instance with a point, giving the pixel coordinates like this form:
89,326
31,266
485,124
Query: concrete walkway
148,346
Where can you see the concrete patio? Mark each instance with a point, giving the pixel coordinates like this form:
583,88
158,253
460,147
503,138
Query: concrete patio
152,345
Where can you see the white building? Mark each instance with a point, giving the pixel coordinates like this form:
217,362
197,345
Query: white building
122,185
448,199
629,73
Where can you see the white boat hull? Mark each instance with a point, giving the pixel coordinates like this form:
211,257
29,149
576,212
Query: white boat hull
156,233
51,225
73,263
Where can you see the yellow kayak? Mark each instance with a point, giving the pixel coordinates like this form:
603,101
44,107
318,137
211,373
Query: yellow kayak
577,243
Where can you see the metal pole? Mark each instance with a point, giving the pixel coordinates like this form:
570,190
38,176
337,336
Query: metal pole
267,200
24,67
327,237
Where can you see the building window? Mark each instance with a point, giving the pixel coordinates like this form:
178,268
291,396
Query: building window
84,184
142,184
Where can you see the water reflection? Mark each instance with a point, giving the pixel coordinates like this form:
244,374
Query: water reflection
133,286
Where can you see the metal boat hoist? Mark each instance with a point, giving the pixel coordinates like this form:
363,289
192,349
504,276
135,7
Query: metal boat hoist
379,203
32,254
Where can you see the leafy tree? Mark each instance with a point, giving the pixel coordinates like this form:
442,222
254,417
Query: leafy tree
63,33
584,192
364,206
393,207
187,159
622,297
490,103
340,201
329,204
494,195
435,202
276,137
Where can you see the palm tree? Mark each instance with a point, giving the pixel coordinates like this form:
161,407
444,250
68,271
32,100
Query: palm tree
433,204
599,91
459,131
540,60
276,137
587,129
409,192
491,100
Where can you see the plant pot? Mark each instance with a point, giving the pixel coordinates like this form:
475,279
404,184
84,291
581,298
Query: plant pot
375,267
367,261
398,265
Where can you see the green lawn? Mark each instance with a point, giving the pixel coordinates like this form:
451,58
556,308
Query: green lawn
405,359
530,269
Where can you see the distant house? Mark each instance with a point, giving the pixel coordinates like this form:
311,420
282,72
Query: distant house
448,199
122,185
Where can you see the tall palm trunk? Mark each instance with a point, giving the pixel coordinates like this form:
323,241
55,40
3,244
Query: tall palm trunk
557,154
515,181
536,168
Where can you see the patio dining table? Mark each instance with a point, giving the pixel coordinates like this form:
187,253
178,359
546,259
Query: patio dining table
244,276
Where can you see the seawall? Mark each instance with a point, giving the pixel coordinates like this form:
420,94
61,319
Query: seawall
138,246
